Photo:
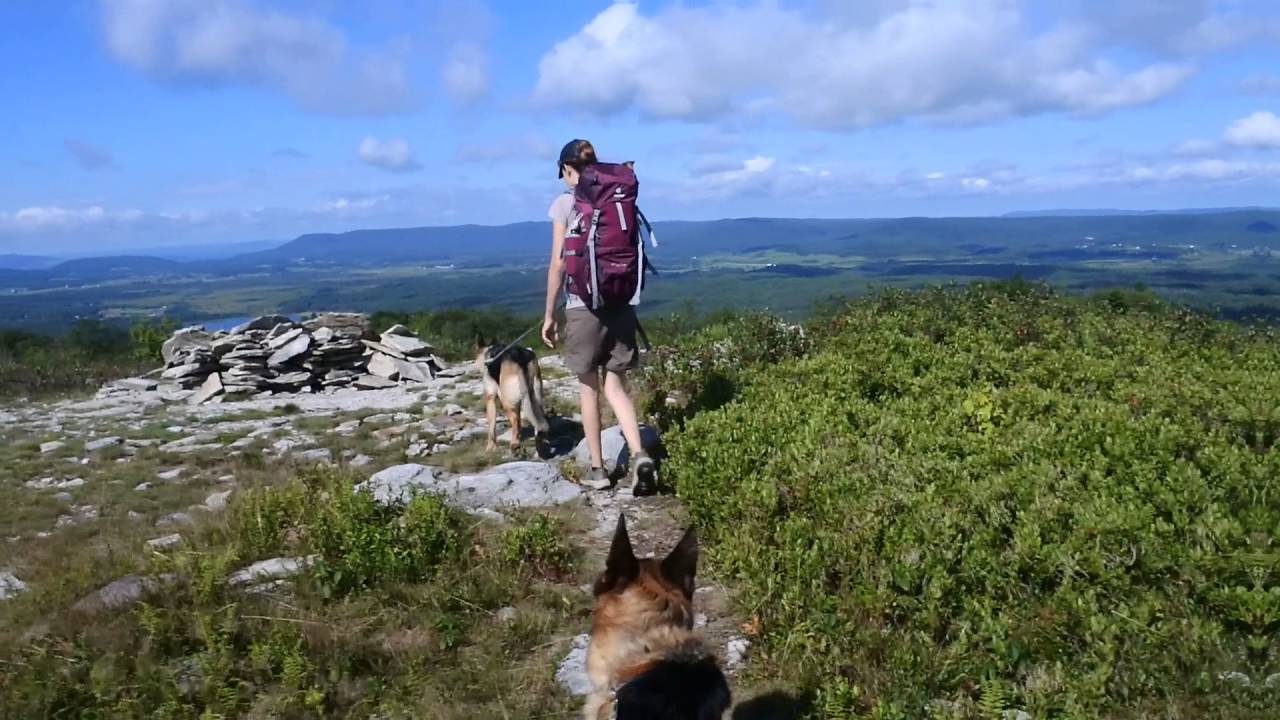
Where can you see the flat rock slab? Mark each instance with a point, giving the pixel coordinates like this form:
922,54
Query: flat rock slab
164,542
571,675
103,443
10,585
121,593
51,446
273,569
516,484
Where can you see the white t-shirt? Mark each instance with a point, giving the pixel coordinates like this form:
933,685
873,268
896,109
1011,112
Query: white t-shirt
562,212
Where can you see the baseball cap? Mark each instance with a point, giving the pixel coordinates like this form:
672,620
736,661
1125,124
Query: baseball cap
569,154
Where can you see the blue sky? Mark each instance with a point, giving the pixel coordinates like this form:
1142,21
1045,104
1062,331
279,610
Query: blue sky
141,123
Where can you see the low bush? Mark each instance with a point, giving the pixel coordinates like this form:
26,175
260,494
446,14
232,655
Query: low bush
961,503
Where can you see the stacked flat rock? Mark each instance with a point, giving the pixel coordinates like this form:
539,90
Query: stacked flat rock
400,355
273,354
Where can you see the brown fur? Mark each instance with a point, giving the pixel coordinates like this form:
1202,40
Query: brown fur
643,615
517,386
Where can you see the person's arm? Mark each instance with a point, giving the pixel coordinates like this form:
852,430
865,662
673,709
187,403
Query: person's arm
555,275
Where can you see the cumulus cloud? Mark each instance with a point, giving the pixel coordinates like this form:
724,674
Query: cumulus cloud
87,156
964,62
1193,148
1259,130
392,155
234,42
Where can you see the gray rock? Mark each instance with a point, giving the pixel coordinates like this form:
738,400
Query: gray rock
322,336
410,346
285,337
136,384
516,484
217,502
186,339
51,446
266,322
48,483
178,519
121,593
383,366
289,351
10,585
103,443
63,497
211,388
507,614
378,347
571,675
373,382
347,428
412,371
273,569
321,456
735,652
453,409
290,379
164,542
360,461
614,446
179,372
79,514
417,450
142,487
171,475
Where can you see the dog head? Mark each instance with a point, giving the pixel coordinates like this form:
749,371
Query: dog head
634,592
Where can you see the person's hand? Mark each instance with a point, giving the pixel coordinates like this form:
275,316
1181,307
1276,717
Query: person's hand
549,331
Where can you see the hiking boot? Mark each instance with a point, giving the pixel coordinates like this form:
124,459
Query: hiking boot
597,479
644,475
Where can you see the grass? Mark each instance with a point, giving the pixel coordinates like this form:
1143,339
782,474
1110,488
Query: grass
400,617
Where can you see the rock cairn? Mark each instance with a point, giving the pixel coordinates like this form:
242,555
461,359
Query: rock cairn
273,354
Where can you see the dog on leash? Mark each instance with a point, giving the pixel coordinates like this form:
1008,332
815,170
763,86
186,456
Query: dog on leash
644,660
513,378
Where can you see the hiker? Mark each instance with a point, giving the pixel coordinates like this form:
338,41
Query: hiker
600,329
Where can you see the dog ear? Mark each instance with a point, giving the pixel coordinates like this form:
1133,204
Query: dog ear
681,564
622,565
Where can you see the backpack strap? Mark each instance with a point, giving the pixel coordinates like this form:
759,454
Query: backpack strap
644,337
653,239
591,255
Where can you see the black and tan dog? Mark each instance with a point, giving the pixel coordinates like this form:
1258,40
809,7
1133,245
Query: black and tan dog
511,377
644,660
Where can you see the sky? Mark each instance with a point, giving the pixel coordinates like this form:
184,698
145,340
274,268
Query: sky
147,123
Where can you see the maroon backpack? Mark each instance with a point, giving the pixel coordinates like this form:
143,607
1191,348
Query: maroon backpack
604,257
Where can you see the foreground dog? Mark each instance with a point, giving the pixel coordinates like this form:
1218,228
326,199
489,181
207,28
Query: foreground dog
644,661
511,377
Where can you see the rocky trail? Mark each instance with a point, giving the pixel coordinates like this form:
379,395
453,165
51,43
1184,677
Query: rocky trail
137,454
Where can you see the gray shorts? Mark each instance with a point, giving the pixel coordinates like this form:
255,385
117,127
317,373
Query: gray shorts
600,338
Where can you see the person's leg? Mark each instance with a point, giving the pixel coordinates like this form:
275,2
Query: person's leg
589,395
615,391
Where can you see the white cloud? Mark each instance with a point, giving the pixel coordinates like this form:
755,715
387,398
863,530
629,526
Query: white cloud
354,205
88,156
49,217
1259,130
466,74
1261,84
975,183
392,155
233,42
971,61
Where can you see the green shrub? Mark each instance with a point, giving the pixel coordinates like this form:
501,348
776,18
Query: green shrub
985,499
360,542
539,544
704,370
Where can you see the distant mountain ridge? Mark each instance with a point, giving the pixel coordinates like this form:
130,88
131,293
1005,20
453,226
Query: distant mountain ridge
478,246
27,262
1103,212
